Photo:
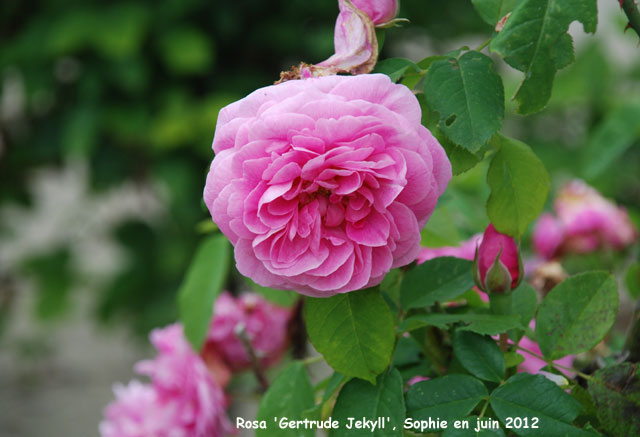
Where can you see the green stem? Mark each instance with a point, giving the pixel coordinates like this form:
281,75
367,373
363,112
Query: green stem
500,304
312,360
484,409
483,45
630,9
552,364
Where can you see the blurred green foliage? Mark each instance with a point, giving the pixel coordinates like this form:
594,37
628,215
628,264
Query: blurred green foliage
134,88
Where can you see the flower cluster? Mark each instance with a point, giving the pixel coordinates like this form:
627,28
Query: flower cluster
323,184
584,222
186,395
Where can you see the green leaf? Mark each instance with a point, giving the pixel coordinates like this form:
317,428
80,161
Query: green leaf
448,397
202,284
632,280
524,300
485,324
524,303
491,11
358,399
530,396
532,41
395,68
289,396
469,96
440,230
616,393
480,355
612,136
577,314
519,186
461,158
353,331
451,431
436,280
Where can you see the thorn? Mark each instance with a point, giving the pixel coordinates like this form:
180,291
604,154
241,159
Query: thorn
628,26
621,1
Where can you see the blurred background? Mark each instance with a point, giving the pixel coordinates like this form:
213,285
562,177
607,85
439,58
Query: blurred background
107,112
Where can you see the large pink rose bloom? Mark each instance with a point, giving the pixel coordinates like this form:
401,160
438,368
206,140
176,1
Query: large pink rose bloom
585,222
322,185
183,382
265,326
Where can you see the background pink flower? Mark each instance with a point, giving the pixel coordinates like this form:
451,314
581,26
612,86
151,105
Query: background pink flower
585,222
265,325
323,184
137,412
181,379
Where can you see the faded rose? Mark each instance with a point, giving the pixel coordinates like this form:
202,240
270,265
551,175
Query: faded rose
380,11
584,222
323,184
264,324
355,44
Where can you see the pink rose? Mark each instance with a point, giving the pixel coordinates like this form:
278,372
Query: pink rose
466,250
498,267
380,11
585,222
265,325
323,184
182,380
137,412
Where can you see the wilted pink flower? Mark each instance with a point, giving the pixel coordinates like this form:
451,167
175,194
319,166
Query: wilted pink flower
466,250
182,381
355,44
585,222
137,412
497,262
264,324
323,184
380,11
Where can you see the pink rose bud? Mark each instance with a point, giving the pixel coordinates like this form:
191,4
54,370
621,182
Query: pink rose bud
380,11
183,398
355,43
497,264
323,184
264,324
